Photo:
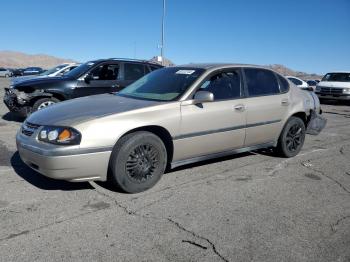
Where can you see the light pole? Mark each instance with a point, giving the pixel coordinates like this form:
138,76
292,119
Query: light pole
162,44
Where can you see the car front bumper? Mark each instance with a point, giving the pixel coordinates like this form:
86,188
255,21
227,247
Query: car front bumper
333,96
82,165
10,100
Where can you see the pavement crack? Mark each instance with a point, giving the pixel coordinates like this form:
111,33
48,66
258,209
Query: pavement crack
337,223
194,244
309,166
99,190
213,247
14,235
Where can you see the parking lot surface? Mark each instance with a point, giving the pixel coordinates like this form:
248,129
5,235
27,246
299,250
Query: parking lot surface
247,207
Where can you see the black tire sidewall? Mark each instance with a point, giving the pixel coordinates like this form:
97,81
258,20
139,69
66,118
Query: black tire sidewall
121,153
282,141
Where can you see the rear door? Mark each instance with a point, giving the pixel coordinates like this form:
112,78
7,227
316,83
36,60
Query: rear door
104,77
132,72
267,106
217,126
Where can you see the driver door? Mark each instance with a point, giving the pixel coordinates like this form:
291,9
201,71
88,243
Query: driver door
217,126
104,78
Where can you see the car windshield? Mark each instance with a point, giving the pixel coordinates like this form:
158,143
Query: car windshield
78,71
337,77
52,70
164,84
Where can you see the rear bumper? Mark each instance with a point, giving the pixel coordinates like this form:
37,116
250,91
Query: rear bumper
75,167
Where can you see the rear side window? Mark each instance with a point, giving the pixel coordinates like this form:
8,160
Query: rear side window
133,71
295,81
261,82
153,68
284,86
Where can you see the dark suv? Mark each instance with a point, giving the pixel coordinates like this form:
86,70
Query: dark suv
91,78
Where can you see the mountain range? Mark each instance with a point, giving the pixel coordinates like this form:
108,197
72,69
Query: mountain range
13,59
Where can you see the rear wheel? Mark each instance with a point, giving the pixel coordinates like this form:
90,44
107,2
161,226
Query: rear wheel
44,102
292,137
137,162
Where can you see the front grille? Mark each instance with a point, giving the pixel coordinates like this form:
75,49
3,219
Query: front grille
330,90
29,128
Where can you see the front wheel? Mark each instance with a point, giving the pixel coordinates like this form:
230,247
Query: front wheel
44,102
137,162
292,137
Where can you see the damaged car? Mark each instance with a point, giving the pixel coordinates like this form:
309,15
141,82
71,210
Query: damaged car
91,78
171,117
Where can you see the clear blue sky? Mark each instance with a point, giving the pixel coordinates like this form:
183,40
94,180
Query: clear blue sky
308,35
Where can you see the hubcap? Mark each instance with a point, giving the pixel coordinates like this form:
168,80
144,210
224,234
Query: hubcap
294,137
45,104
142,162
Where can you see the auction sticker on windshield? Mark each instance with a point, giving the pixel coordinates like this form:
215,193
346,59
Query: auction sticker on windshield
185,72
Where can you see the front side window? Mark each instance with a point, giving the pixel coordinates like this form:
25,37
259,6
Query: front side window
133,71
337,77
165,84
226,85
261,82
105,72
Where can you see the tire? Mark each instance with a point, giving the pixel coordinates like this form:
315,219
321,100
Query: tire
132,169
44,102
292,138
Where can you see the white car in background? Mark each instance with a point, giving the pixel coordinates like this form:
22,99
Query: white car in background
56,71
297,81
5,72
335,86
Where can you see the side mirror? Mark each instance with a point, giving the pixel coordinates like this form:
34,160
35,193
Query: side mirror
88,78
203,96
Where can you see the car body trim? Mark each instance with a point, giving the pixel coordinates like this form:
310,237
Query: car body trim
68,152
221,154
203,133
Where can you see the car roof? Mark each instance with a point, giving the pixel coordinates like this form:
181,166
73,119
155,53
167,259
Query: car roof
125,60
208,66
339,72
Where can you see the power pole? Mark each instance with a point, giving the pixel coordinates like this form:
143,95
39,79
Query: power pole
162,44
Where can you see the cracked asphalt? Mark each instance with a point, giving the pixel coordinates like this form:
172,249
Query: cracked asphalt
248,207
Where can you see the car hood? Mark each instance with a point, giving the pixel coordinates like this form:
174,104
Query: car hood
38,81
73,112
16,80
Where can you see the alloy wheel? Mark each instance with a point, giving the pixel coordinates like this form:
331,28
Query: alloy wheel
45,104
294,137
142,162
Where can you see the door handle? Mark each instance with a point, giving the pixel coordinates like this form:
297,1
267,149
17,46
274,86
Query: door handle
239,107
285,102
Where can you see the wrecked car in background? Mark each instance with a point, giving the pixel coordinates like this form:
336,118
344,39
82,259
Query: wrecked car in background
94,77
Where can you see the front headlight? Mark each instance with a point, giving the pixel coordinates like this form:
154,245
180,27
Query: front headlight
318,88
346,90
59,135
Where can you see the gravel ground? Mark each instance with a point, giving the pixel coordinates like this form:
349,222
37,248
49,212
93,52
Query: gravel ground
248,207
